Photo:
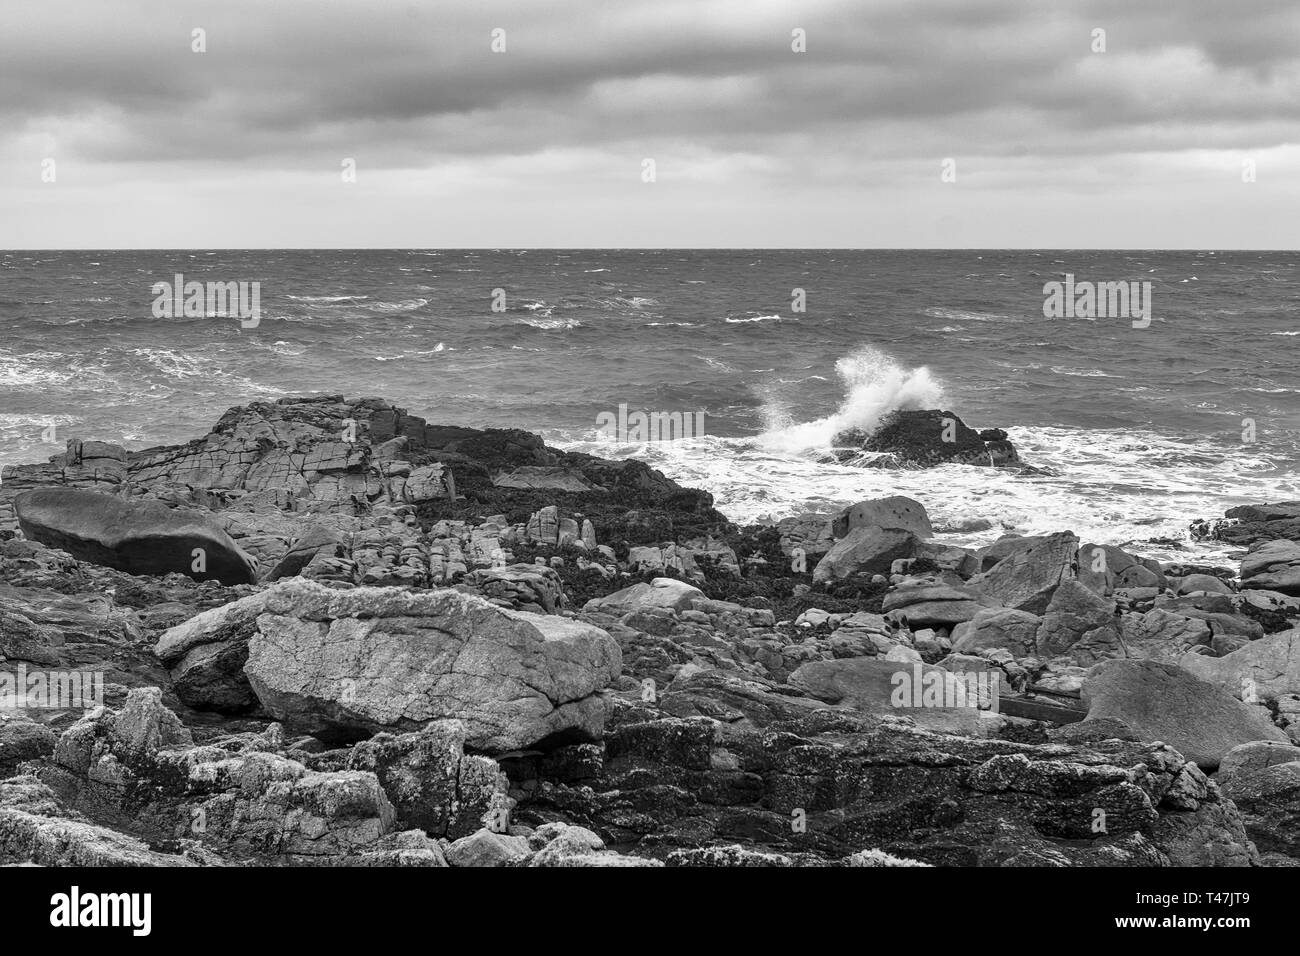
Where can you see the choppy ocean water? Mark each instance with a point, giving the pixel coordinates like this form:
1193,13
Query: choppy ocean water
1142,428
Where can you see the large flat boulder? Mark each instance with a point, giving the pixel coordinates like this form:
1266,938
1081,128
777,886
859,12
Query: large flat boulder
1027,578
1264,670
669,593
1163,702
347,664
1273,566
866,550
139,537
895,511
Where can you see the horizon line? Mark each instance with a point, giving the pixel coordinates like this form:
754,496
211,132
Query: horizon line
648,249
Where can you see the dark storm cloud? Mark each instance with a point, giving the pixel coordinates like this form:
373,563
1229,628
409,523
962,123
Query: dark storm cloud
544,144
290,78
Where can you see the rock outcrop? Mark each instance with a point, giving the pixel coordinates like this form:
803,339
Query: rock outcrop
457,646
689,789
922,439
329,488
1253,524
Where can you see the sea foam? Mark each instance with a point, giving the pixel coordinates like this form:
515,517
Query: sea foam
874,385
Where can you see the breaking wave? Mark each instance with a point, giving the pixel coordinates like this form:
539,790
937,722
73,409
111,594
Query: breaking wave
874,385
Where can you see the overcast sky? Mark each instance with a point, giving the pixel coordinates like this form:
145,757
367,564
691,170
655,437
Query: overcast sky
754,144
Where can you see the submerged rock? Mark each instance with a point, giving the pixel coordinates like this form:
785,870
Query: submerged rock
1253,524
932,437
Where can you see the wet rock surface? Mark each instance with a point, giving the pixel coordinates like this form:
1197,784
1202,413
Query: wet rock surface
924,438
462,647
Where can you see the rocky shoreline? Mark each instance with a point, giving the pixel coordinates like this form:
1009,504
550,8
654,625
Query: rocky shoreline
330,632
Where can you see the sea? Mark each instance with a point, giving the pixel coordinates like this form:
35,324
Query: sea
1139,427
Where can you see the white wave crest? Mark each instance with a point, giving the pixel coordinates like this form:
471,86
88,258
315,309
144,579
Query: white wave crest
403,305
756,318
327,299
550,324
874,385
